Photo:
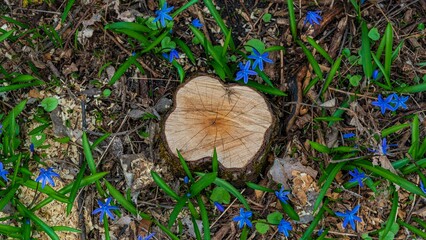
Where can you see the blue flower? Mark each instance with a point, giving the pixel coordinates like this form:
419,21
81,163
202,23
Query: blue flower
384,103
32,147
163,15
319,233
196,23
348,135
422,187
172,55
284,227
282,195
244,72
357,176
313,17
375,74
3,172
350,217
105,208
1,128
219,206
147,237
384,147
259,59
243,218
46,175
399,101
186,180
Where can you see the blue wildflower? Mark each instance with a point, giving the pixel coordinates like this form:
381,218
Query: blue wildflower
313,17
105,208
259,59
399,101
186,180
196,23
357,176
1,128
243,218
32,147
46,175
172,55
244,72
319,233
219,206
384,103
348,135
188,195
282,195
162,15
3,172
350,217
284,227
375,74
147,237
384,147
422,187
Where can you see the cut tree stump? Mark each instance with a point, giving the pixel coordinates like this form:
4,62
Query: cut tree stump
234,119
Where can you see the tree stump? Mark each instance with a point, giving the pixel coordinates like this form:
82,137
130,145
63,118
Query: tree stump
234,119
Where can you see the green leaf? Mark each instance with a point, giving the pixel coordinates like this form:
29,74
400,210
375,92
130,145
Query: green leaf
163,185
336,168
259,187
320,50
412,89
167,44
266,89
122,69
311,59
374,34
292,18
256,44
75,188
67,10
218,19
38,139
49,104
267,17
261,227
128,26
392,215
290,211
394,129
355,79
220,195
274,218
4,36
388,50
176,210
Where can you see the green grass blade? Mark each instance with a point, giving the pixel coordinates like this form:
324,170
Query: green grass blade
407,185
128,26
204,218
180,71
163,185
43,226
47,190
65,229
292,18
176,210
394,129
320,50
266,89
379,64
412,229
122,69
412,89
215,162
381,47
264,77
184,7
20,86
90,161
218,19
290,211
231,189
365,51
4,36
182,45
202,183
388,49
311,59
422,149
397,50
327,184
156,41
99,140
415,138
308,232
124,202
420,222
185,166
319,147
392,214
75,187
275,48
67,10
10,192
258,187
330,76
135,35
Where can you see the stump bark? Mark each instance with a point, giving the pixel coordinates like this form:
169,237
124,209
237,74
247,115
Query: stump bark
234,119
